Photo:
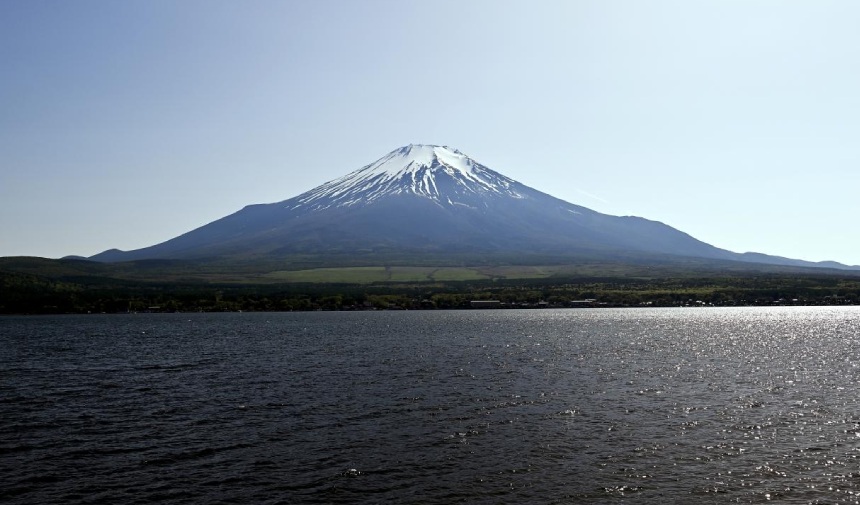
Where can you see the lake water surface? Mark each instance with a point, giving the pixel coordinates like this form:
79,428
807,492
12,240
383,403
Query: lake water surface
743,405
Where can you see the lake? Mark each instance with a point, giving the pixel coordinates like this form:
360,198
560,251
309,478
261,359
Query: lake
697,405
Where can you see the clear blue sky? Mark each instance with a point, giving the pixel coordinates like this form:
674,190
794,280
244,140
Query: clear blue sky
126,123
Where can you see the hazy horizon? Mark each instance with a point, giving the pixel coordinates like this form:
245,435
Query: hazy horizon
125,124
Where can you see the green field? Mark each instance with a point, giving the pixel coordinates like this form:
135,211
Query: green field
369,275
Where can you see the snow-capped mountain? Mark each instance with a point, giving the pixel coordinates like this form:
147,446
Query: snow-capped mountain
438,173
426,200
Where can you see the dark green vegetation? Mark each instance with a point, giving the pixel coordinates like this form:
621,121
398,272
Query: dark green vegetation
36,285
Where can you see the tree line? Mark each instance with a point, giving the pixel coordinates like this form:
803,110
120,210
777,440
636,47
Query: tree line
27,294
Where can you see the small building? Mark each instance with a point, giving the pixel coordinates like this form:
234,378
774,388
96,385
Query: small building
588,302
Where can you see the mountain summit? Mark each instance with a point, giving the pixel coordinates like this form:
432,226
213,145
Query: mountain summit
428,201
438,173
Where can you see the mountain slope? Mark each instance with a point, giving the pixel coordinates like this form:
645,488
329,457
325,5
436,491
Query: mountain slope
424,199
